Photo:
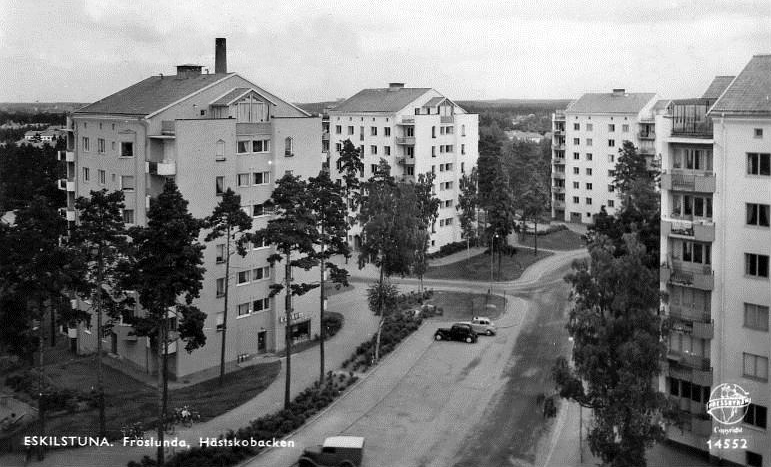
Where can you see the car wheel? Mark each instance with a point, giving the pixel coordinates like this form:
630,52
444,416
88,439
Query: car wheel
438,337
306,463
489,332
469,339
345,464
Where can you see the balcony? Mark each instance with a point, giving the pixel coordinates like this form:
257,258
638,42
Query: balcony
447,119
688,274
70,215
62,184
171,348
408,140
559,132
168,127
557,189
66,156
696,329
408,120
682,180
701,376
558,175
647,135
646,147
701,231
559,115
689,314
558,204
689,118
325,136
557,146
167,168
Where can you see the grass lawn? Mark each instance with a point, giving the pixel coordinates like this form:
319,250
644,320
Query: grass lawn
478,267
462,306
559,240
129,400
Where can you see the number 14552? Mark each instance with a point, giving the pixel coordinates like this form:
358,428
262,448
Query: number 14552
736,443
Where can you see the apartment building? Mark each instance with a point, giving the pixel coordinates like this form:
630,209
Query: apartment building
208,132
586,139
417,130
715,249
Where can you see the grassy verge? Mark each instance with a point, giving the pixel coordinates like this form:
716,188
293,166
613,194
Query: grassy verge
560,240
477,268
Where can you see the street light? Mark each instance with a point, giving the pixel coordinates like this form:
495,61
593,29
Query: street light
492,255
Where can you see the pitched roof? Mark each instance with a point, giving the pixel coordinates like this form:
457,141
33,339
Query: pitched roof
434,101
661,104
717,87
156,92
151,94
236,94
750,92
380,100
629,103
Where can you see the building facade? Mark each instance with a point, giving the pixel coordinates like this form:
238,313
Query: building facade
715,249
586,139
416,130
207,132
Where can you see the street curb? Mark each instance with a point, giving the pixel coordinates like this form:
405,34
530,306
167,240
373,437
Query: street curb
347,392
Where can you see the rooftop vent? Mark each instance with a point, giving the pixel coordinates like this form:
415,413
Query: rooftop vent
619,92
188,71
395,86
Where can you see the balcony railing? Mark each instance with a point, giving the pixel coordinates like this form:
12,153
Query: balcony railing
558,204
447,119
557,189
408,140
683,313
558,175
689,118
558,146
702,377
167,127
688,360
408,120
696,329
66,156
559,132
325,136
559,115
678,179
701,231
646,135
693,275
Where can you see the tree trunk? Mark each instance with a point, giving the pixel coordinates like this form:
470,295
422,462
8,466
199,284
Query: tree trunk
161,386
41,362
225,313
99,334
382,318
322,330
287,331
535,237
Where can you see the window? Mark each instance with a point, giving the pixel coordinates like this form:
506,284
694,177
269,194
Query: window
243,277
338,147
261,145
387,150
387,131
100,145
576,170
288,147
611,158
694,252
588,141
410,170
756,317
244,309
611,127
350,129
576,141
611,173
338,129
589,155
128,216
86,174
219,153
576,200
433,132
260,210
588,200
242,147
220,287
86,143
373,168
589,127
758,132
373,148
463,130
262,244
758,214
463,149
126,149
261,304
441,167
612,143
243,180
219,185
219,250
102,176
758,164
576,185
611,203
361,132
577,126
754,459
576,156
588,186
588,171
611,188
261,178
112,145
261,273
756,415
433,151
756,265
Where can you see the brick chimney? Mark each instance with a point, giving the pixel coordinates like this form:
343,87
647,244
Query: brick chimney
188,71
395,86
619,92
220,55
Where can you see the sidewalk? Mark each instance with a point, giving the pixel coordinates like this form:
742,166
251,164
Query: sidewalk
359,325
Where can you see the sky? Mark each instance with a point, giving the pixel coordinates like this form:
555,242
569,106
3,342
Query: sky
308,51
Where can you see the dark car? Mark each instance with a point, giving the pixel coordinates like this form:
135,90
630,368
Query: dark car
337,451
458,332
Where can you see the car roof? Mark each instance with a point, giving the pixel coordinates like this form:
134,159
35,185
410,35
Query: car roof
482,317
344,442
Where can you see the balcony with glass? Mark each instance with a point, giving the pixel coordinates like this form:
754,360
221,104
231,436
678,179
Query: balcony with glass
689,118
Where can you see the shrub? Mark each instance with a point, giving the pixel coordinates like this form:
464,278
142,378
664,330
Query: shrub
450,248
332,322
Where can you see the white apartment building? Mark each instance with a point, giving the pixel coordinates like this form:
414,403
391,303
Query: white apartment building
586,139
208,132
417,130
715,249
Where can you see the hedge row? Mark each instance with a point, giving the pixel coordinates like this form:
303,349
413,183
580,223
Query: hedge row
450,248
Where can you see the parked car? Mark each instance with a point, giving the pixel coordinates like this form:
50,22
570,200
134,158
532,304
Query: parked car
482,325
458,332
337,451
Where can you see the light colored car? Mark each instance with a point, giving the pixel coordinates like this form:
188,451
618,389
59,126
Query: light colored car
482,325
337,451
